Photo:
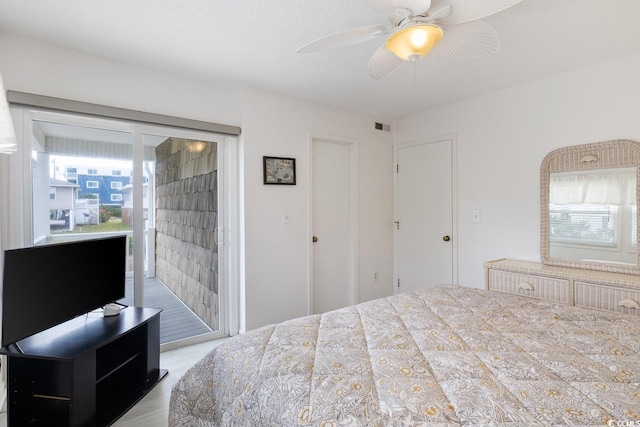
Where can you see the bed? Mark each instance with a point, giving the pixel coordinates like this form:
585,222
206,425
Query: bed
442,356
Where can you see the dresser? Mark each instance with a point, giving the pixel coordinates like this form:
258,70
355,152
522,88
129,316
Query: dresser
587,288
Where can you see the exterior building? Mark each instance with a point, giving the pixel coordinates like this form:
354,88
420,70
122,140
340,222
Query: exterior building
62,200
127,206
102,183
66,210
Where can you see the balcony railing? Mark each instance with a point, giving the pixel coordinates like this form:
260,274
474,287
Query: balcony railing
71,237
177,322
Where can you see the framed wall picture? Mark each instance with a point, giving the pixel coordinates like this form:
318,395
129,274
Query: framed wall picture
279,170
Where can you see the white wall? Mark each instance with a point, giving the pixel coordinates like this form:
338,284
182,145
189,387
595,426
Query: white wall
502,139
277,257
44,69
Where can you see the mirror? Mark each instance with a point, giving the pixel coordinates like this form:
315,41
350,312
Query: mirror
589,216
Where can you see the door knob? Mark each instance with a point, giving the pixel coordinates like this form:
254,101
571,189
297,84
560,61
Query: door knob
315,239
446,238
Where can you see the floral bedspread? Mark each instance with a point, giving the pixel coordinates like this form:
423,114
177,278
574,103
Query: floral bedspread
444,356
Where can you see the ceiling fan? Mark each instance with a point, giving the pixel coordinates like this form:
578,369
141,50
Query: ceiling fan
417,27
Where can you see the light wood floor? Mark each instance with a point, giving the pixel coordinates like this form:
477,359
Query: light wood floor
153,409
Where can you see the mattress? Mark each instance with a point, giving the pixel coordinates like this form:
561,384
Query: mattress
442,356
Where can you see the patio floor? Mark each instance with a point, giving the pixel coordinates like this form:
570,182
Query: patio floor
177,321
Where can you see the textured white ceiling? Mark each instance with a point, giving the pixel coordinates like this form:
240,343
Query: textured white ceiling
254,42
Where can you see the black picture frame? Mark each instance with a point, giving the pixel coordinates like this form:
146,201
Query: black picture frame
278,170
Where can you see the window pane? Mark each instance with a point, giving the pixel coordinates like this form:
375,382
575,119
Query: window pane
73,198
583,224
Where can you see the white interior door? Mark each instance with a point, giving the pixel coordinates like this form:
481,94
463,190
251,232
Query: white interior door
333,225
425,238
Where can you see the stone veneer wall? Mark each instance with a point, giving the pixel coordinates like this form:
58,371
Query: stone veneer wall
186,221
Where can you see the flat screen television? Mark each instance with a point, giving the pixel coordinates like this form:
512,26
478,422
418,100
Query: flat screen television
44,286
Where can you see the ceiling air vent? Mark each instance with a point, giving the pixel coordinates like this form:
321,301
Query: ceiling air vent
382,126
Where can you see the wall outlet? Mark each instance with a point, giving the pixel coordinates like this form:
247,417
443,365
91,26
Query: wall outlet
375,276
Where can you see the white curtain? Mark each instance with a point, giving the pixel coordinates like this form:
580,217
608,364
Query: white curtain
610,188
4,203
10,226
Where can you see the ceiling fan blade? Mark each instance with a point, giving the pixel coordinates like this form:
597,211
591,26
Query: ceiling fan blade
346,38
475,38
465,11
383,62
390,7
438,14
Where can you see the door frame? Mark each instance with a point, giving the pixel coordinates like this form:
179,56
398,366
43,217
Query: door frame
353,145
454,201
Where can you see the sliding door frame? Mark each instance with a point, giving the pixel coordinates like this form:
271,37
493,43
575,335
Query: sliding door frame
20,213
226,258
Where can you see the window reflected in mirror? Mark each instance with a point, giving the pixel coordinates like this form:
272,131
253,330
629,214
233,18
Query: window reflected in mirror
593,215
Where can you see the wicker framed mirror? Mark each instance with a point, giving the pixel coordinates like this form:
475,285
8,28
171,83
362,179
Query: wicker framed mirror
589,207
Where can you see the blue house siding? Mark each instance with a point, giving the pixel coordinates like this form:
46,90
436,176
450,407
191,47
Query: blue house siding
102,185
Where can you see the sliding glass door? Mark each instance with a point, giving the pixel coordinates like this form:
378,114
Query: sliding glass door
81,175
187,232
160,186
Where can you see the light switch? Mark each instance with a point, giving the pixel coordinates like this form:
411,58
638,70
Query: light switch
286,217
476,216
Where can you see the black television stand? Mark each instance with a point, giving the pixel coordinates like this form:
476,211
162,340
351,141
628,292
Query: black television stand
88,371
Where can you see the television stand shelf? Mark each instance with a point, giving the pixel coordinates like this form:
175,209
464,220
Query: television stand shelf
88,371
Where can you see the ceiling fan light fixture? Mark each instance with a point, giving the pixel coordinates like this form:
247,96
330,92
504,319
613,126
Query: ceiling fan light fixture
414,42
